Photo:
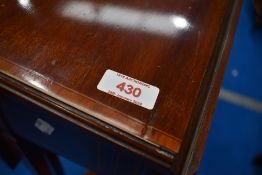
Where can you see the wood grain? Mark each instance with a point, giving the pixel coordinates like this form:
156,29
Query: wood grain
56,52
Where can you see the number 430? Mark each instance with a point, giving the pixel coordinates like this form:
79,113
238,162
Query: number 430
129,89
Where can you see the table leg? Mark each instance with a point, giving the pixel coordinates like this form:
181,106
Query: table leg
9,151
43,162
258,9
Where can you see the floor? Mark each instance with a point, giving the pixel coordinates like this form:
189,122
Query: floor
236,132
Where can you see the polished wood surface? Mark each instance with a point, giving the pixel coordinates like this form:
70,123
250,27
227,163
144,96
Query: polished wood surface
54,53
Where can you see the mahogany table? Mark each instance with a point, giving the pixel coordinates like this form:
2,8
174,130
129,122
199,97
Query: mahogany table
121,87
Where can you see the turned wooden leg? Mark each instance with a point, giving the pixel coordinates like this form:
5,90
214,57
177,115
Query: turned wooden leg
258,9
9,151
41,160
55,162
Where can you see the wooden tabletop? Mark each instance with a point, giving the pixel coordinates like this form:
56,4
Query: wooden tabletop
55,53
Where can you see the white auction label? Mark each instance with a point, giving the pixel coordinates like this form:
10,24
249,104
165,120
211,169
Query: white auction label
129,89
